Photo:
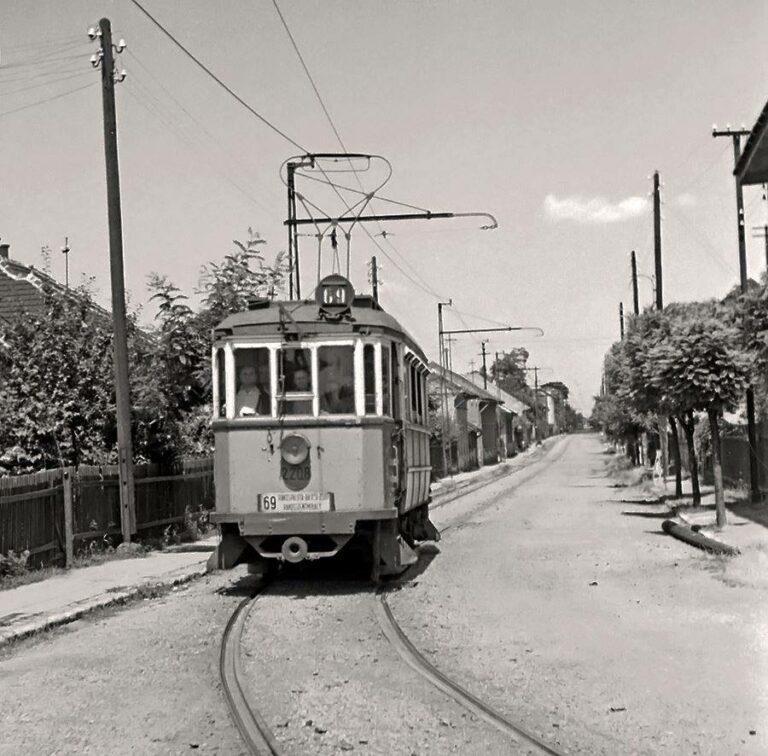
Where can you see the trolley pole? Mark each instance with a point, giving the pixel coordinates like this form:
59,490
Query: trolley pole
117,277
635,299
754,473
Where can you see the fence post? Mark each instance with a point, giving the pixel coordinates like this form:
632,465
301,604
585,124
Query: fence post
68,519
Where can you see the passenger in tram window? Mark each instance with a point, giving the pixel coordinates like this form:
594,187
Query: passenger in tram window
301,380
250,398
338,398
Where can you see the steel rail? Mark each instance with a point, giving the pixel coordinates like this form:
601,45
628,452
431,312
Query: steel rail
255,732
414,659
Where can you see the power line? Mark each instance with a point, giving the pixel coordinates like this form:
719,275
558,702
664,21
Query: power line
213,76
309,75
46,83
48,99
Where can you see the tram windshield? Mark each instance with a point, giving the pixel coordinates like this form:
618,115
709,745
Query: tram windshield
294,378
308,379
252,380
336,376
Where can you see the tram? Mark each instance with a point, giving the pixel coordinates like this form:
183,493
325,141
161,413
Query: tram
320,423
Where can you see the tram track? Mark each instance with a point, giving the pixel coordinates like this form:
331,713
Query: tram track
416,660
256,734
258,737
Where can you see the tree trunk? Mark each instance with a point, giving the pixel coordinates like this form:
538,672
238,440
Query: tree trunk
689,423
717,466
676,458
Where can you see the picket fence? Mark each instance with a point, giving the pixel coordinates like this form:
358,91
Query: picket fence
52,514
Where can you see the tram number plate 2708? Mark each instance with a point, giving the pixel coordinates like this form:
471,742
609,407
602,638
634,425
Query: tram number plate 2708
295,501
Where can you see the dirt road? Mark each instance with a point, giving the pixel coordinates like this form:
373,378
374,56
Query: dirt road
573,613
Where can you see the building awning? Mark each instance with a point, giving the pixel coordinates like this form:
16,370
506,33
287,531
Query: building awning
752,167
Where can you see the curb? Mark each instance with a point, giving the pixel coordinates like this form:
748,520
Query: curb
103,601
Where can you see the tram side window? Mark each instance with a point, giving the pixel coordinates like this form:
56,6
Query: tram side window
252,395
369,379
219,375
420,396
385,381
336,378
413,391
294,378
397,387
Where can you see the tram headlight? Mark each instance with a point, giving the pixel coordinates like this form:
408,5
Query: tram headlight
294,449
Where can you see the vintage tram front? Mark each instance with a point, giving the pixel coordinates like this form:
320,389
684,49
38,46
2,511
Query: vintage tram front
320,422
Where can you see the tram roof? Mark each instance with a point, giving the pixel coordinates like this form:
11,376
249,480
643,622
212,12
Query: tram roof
304,318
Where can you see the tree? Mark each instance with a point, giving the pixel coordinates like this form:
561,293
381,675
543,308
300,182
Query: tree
508,371
644,332
55,386
701,367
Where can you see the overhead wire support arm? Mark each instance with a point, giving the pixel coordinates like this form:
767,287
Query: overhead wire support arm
492,330
392,217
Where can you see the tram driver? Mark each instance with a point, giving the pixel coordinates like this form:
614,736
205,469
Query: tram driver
250,398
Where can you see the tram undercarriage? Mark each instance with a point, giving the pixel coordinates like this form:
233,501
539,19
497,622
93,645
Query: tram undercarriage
389,541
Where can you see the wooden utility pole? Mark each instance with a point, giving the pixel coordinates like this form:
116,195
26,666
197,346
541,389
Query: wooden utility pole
65,251
485,368
754,473
635,299
122,387
659,305
621,320
443,387
657,239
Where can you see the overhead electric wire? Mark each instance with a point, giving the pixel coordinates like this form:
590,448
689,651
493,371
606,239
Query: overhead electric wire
266,122
335,186
213,76
146,99
309,75
77,75
197,123
47,99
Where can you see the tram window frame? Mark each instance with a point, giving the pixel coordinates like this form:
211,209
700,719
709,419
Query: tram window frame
288,401
219,383
264,382
397,382
369,379
344,387
386,380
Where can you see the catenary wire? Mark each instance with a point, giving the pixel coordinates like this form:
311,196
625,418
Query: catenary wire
213,76
47,99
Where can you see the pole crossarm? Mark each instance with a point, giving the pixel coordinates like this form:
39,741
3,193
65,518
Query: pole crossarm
390,217
496,330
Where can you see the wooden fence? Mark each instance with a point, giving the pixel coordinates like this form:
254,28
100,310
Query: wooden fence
53,513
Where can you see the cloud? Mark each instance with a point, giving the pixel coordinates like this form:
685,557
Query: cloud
686,200
594,210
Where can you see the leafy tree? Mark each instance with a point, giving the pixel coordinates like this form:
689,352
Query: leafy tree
646,331
508,371
701,367
55,378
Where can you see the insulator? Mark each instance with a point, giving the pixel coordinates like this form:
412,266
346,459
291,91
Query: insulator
121,46
93,33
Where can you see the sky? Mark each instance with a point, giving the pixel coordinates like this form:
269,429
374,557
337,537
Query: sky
552,116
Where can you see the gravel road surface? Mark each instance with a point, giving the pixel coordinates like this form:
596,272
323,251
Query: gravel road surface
590,626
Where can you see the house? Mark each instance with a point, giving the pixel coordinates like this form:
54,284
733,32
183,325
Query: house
515,427
465,420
